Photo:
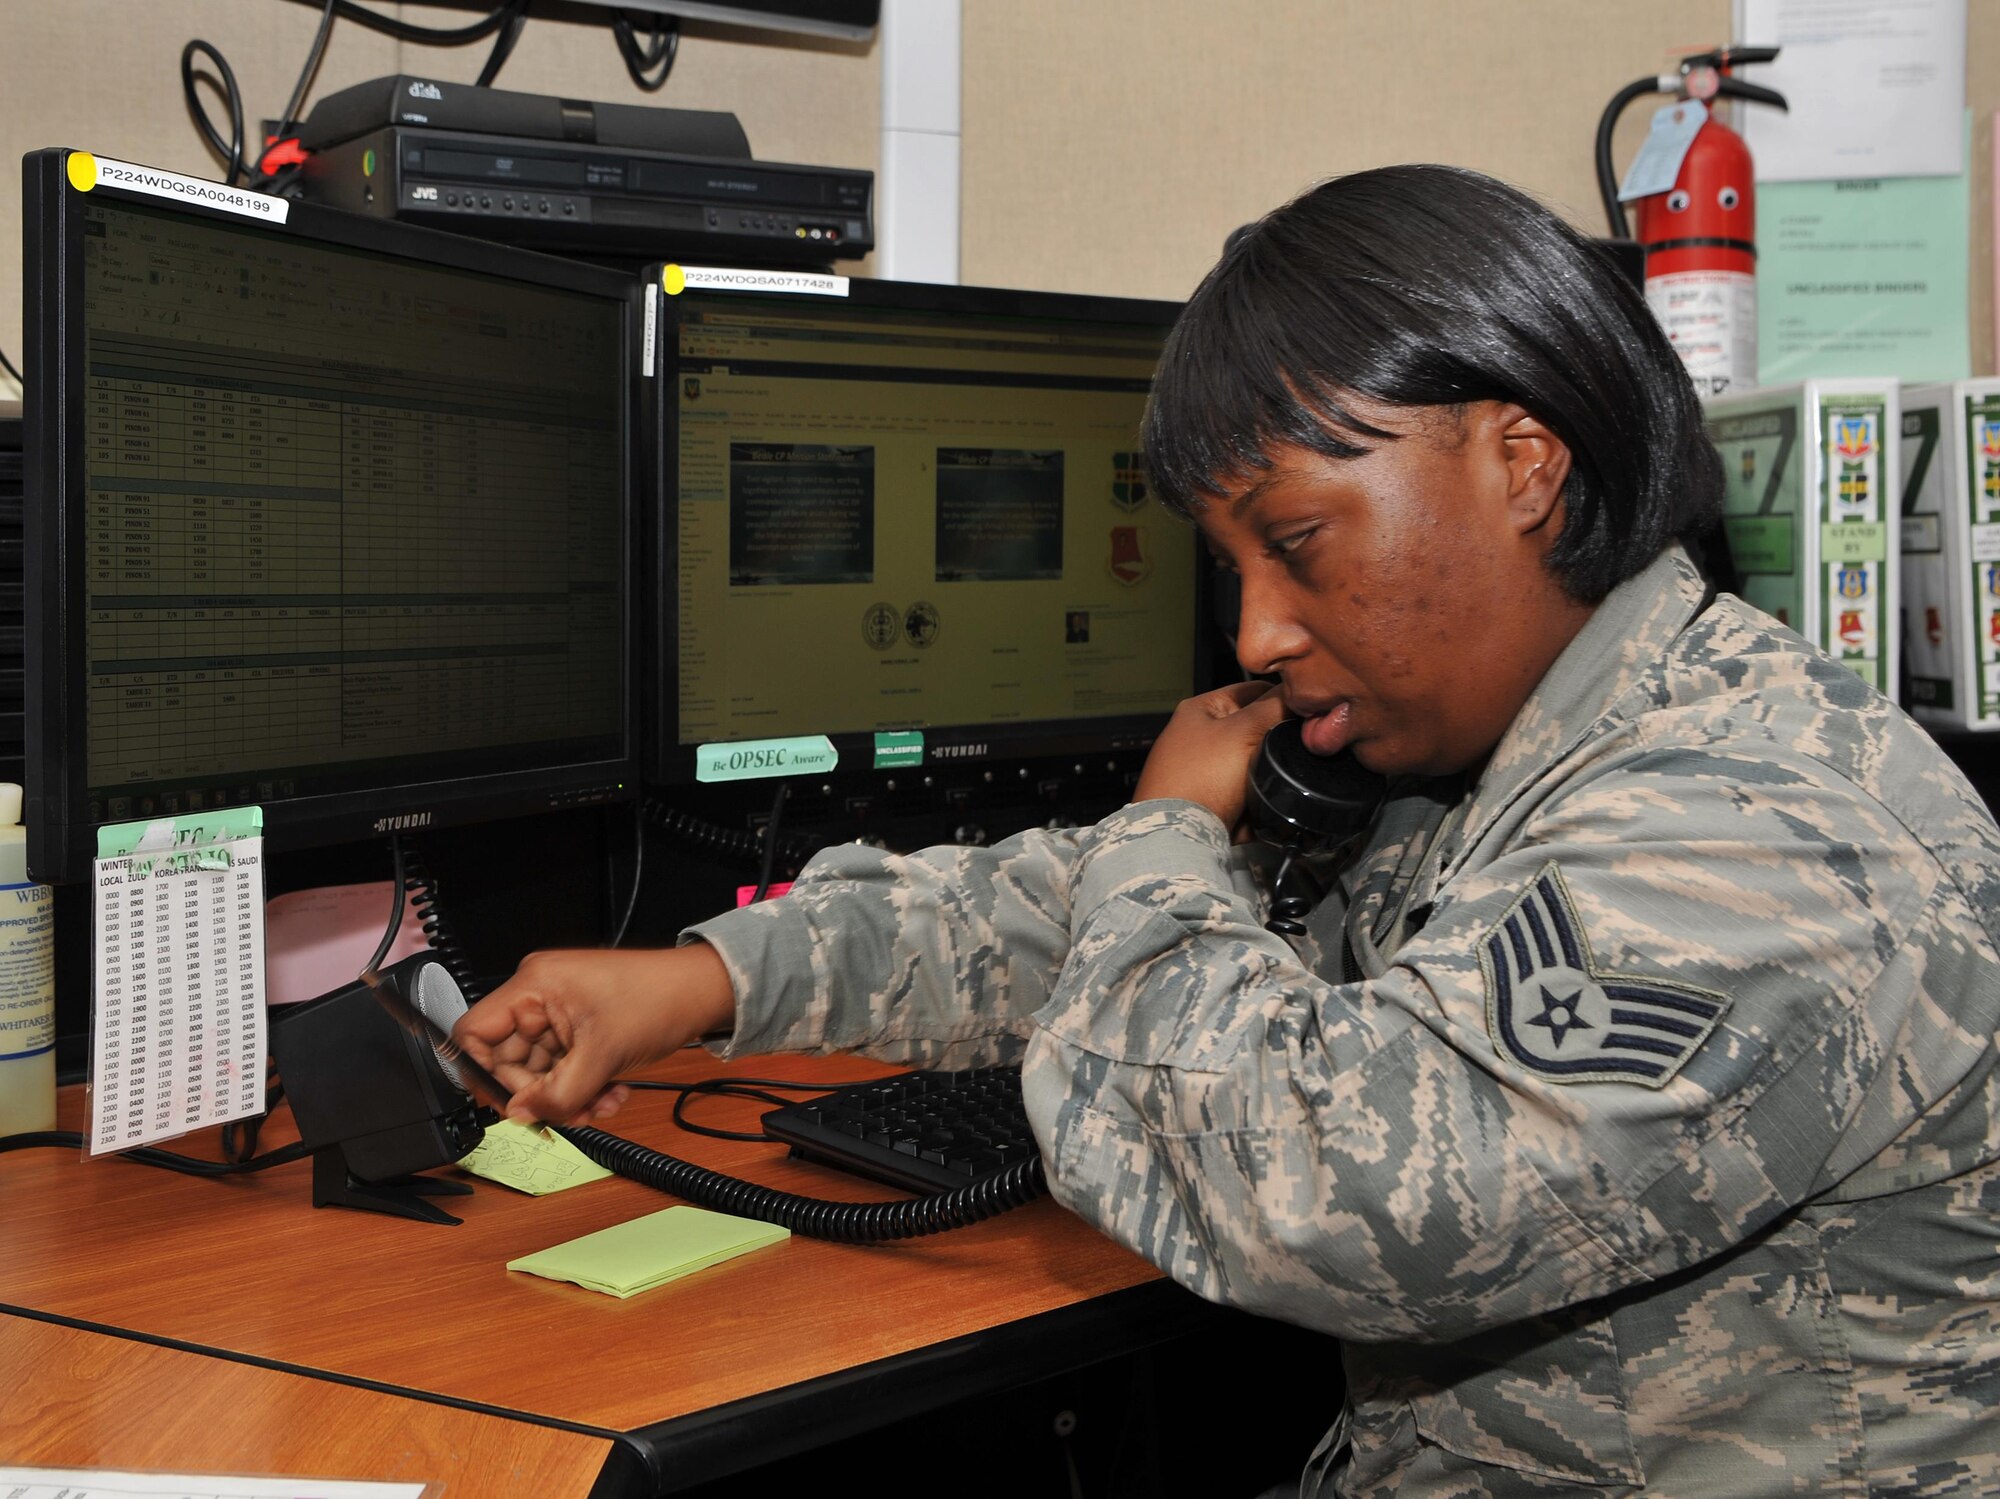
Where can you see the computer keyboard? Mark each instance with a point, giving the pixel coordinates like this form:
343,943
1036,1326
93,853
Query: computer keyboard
923,1131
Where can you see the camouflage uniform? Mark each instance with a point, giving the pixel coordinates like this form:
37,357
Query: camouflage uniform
1649,1145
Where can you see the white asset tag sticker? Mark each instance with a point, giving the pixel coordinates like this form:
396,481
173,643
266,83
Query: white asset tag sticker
675,279
652,330
87,171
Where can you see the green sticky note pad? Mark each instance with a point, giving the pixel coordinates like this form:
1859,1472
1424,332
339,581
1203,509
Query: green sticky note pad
534,1161
632,1257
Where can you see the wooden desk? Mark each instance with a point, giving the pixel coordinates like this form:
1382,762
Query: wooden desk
747,1361
88,1400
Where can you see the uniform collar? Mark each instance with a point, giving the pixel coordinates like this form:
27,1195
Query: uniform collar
1622,640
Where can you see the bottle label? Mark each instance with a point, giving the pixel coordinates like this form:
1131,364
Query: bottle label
27,971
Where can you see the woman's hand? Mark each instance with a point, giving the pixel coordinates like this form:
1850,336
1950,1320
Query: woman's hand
567,1023
1204,753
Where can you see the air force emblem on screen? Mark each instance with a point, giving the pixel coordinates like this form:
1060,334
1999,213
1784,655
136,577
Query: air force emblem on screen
1552,1010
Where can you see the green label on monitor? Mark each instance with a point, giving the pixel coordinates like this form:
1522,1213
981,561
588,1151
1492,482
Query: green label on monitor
177,834
1760,543
754,759
1855,541
898,751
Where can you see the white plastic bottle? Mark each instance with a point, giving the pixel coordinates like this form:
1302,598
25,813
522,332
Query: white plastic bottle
27,982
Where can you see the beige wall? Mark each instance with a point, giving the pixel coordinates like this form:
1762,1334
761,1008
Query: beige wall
1176,120
105,75
1109,145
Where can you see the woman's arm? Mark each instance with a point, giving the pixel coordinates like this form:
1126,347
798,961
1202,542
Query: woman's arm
1443,1149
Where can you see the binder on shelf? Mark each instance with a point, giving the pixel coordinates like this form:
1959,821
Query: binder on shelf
1808,513
1951,552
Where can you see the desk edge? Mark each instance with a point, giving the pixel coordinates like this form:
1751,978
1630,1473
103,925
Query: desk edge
628,1458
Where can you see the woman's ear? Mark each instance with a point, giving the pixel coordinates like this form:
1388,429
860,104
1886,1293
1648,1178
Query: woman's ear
1537,464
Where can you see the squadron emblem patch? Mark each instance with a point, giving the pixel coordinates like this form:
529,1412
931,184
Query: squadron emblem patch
1551,1009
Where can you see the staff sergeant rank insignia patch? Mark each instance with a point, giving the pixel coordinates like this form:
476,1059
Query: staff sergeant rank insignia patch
1551,1009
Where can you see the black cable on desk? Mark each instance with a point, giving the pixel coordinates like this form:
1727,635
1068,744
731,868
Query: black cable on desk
244,1149
756,1088
146,1155
813,1217
8,365
819,1218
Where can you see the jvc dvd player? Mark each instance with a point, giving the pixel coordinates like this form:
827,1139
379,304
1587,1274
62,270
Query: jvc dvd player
597,180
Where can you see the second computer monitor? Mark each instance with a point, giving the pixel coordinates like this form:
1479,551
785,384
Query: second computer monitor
915,521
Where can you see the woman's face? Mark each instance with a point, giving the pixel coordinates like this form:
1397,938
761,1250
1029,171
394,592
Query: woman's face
1401,597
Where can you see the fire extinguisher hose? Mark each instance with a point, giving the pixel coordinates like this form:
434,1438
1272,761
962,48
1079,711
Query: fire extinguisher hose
1607,175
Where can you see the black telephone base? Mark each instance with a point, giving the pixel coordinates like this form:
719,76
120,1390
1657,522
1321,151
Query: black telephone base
401,1197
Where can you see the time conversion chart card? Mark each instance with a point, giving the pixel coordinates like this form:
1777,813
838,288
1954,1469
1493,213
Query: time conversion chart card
178,1034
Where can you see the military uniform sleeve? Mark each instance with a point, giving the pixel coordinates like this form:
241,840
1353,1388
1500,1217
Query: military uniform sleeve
936,958
1689,990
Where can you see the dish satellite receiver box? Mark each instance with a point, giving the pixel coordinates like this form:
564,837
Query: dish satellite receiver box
576,177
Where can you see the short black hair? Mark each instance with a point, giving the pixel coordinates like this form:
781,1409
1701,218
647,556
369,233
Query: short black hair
1436,286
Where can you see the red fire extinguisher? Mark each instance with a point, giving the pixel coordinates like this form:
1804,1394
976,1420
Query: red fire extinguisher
1700,236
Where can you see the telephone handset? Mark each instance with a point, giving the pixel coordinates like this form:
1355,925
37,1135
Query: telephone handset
1301,803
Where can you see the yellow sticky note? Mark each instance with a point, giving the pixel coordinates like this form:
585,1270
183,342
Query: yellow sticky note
632,1257
530,1160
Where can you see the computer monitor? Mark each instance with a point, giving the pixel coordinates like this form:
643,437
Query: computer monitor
912,521
327,515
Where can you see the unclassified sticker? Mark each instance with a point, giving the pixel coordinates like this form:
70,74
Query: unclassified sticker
87,171
675,279
896,750
753,759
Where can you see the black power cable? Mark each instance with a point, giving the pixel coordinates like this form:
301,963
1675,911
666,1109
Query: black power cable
648,62
453,36
768,865
757,1088
314,54
506,19
241,1148
229,148
8,365
146,1155
503,44
638,874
